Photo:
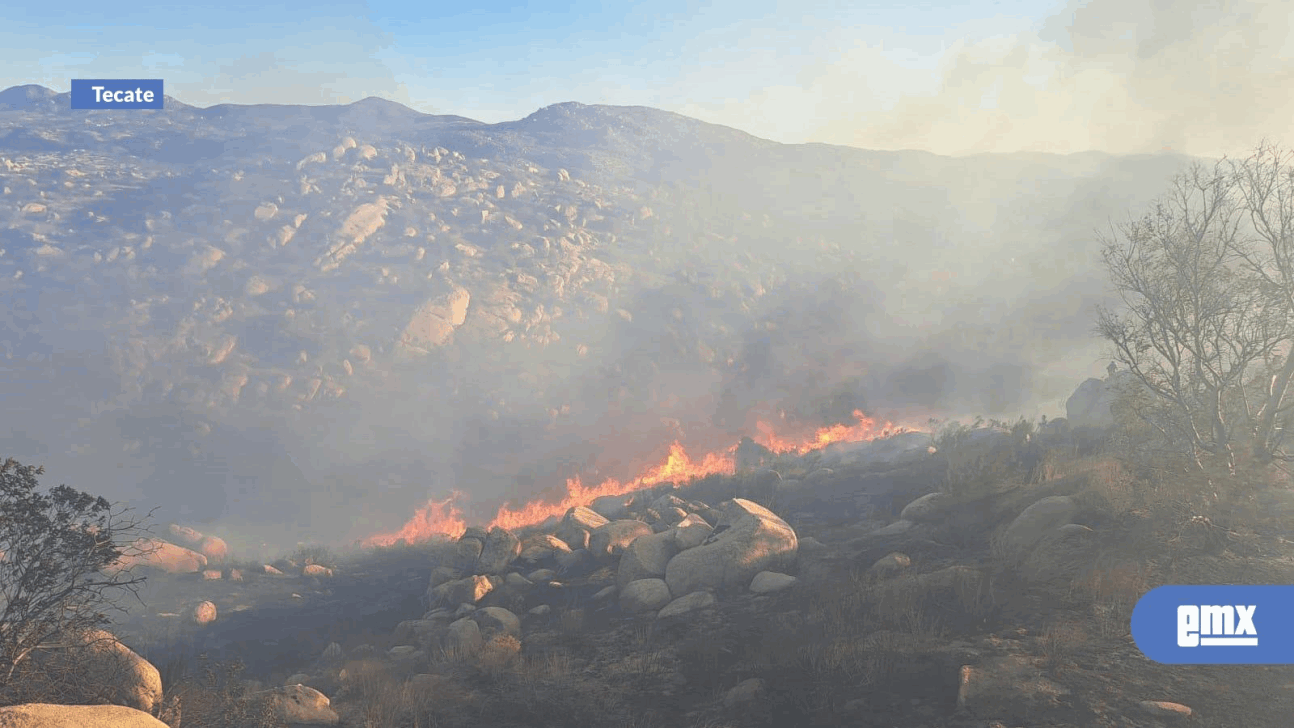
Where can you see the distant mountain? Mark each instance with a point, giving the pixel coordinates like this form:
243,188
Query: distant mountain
30,97
309,319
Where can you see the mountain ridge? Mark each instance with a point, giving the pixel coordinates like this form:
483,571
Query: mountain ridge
250,298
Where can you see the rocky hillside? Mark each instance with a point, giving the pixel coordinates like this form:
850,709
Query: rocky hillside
263,314
987,584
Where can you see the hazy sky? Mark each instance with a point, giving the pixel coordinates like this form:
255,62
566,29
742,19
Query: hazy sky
1121,76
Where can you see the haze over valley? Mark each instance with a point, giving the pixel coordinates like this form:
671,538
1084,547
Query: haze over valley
311,320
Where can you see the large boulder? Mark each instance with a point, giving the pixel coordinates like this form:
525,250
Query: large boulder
610,540
461,591
200,613
466,553
1091,404
1038,521
576,564
463,637
691,532
646,558
298,704
927,508
748,539
501,547
576,526
212,547
184,535
767,582
543,546
497,620
416,631
94,666
612,506
687,603
46,715
644,595
154,553
443,574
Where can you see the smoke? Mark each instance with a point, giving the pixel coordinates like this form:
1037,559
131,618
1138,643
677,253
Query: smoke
1117,76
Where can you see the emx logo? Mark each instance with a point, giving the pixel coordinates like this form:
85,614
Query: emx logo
1216,625
1208,625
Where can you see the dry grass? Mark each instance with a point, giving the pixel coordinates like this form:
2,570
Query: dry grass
499,655
206,694
1062,642
976,463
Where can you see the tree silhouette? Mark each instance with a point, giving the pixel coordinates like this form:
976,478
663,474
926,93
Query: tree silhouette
57,555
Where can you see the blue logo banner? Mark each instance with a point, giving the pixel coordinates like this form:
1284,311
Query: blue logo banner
110,93
1216,625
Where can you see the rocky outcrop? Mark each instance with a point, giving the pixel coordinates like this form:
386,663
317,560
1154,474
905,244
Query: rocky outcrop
462,591
94,667
747,540
644,595
608,541
1091,404
213,548
577,525
434,321
463,637
46,715
497,620
611,506
297,704
1040,520
500,548
691,532
645,558
767,582
693,602
153,553
927,508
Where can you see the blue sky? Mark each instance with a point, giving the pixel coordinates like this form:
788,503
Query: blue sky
954,78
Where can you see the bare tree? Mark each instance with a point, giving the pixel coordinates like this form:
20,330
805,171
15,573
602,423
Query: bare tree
1265,180
56,569
1198,324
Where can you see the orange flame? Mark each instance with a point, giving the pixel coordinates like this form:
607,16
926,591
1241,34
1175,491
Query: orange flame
442,517
678,467
435,518
864,429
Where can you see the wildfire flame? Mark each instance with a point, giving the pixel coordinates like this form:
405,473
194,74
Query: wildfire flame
435,518
863,429
443,517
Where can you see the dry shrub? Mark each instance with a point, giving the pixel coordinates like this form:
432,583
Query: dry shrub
1061,642
571,622
542,691
1111,488
386,698
427,701
905,606
365,678
214,695
499,654
314,554
1112,585
977,464
1057,560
